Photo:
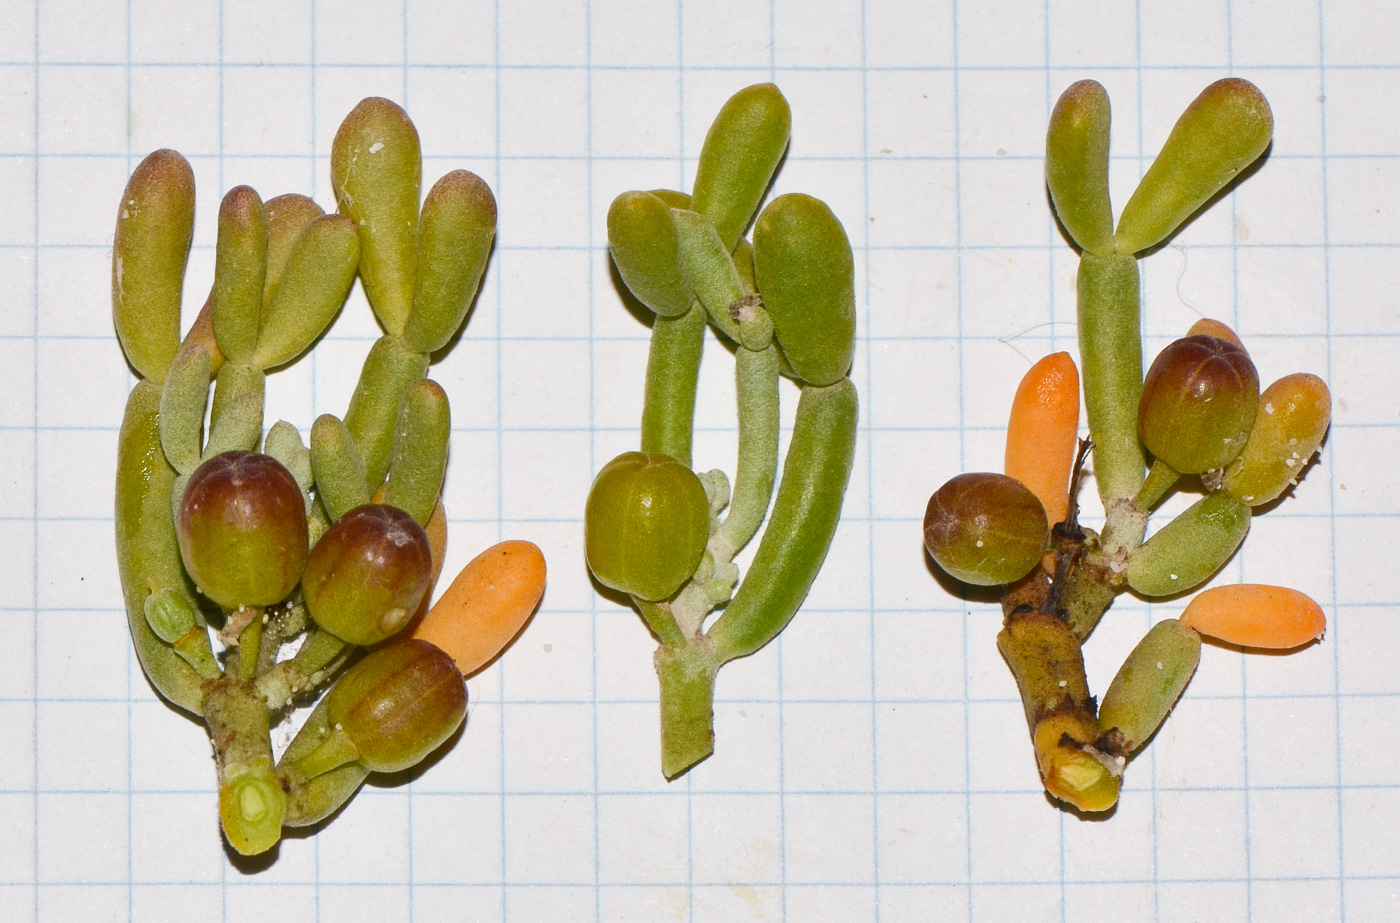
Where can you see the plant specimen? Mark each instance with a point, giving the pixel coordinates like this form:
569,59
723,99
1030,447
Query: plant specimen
300,556
1198,413
785,303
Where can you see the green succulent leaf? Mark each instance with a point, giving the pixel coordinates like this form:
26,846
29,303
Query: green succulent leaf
806,275
456,229
183,401
742,150
420,451
1148,684
1224,130
377,174
240,271
155,224
1076,165
317,278
1185,552
287,216
643,241
338,468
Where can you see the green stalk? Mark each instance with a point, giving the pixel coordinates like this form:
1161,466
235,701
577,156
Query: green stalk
251,799
1110,349
687,706
673,373
756,374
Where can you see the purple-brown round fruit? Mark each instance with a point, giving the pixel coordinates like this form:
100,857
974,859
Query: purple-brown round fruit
242,530
367,574
398,704
985,529
1198,403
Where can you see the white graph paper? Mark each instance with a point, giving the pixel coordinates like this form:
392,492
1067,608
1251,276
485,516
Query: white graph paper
873,763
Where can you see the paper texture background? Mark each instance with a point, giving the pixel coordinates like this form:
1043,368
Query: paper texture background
874,762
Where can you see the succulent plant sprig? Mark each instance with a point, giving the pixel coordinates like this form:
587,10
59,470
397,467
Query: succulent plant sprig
298,556
786,302
1197,415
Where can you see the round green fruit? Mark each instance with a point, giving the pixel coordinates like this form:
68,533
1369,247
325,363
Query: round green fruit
242,530
398,704
985,529
645,524
1198,403
368,573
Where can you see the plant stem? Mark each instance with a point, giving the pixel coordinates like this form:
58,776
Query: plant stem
687,705
663,624
251,800
673,374
756,374
1110,350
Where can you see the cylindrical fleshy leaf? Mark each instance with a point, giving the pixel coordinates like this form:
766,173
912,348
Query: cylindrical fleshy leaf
1076,165
318,276
1289,425
806,275
801,526
155,223
148,554
455,233
240,270
642,240
338,467
1224,130
1186,551
420,451
389,371
287,216
1043,430
745,143
1149,683
236,417
377,172
183,401
1253,615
